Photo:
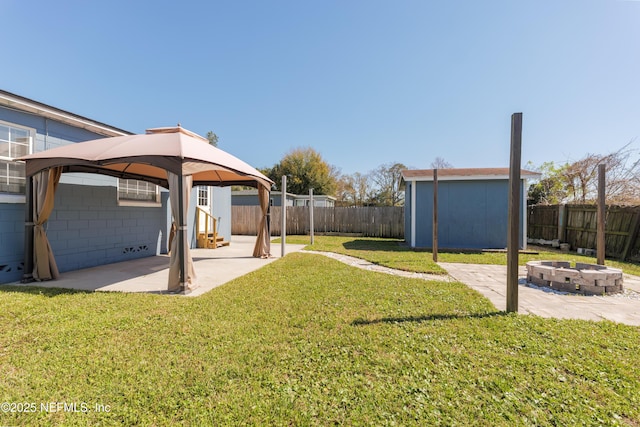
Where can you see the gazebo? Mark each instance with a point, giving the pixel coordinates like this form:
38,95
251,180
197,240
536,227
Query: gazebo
171,157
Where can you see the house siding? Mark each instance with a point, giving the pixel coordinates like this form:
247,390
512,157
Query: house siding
87,227
221,201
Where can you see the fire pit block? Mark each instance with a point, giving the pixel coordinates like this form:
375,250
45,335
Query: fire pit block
587,279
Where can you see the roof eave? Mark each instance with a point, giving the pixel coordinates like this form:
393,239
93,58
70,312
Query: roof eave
27,105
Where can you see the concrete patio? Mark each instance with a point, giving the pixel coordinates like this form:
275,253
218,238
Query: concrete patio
490,281
214,267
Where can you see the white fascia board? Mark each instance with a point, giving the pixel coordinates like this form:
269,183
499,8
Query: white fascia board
461,178
60,116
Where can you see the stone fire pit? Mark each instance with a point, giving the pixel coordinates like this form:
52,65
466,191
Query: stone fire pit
587,279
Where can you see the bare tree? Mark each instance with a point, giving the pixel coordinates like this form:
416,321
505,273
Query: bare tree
622,177
388,179
354,189
441,163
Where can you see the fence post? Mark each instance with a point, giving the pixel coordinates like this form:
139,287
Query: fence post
562,222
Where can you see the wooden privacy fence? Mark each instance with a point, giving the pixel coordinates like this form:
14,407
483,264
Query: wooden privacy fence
364,221
577,225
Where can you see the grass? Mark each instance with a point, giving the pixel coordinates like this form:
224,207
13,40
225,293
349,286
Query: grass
394,253
307,340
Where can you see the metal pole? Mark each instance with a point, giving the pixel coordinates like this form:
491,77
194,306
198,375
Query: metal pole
283,224
602,209
269,227
435,216
181,231
311,214
27,272
513,226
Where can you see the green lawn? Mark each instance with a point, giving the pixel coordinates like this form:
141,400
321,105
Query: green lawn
307,340
394,253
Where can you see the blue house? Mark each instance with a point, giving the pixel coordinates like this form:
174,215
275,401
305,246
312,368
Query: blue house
472,208
96,219
250,198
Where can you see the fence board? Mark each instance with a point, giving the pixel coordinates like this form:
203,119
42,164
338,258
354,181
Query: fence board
621,228
365,221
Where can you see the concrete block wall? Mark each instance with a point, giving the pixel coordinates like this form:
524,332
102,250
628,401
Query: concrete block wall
88,228
11,241
85,229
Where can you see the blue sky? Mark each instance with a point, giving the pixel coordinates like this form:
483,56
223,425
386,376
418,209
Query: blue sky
362,82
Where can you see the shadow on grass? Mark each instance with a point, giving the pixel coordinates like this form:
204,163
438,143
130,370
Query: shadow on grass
400,246
41,290
376,245
431,317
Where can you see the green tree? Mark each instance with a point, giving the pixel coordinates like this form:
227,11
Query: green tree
213,138
551,188
305,168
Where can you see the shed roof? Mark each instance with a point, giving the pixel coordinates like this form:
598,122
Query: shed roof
464,174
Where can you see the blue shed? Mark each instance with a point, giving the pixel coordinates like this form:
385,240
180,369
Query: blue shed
472,208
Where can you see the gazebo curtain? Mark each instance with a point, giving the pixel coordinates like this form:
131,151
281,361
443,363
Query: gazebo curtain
181,234
263,242
44,188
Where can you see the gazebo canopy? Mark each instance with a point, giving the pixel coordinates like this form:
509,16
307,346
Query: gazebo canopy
149,157
171,157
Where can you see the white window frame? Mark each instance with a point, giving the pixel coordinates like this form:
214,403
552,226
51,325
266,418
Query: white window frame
203,190
138,203
15,197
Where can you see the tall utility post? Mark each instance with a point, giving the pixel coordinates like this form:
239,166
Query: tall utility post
513,226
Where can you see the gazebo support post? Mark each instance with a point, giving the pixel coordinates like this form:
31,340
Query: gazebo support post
27,275
181,232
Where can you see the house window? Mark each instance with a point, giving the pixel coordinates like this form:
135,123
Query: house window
203,196
15,142
137,191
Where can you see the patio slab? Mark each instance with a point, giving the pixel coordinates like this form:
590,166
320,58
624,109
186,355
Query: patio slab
491,281
213,267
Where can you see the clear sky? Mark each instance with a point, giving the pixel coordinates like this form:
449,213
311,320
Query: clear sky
364,82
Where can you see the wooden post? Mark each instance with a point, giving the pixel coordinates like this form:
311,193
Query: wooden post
602,208
562,223
513,226
435,216
283,225
311,214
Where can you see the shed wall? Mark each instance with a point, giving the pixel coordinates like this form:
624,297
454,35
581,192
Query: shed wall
471,214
